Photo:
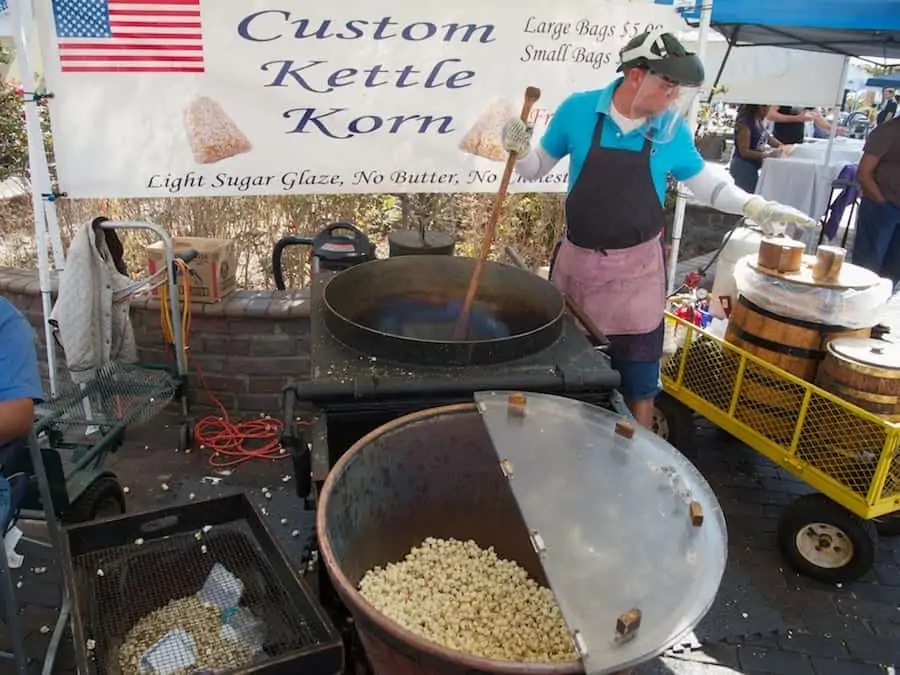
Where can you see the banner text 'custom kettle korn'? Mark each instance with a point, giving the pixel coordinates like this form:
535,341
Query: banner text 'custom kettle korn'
323,77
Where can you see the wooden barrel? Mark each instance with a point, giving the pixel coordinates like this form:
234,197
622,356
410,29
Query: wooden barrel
767,402
793,345
864,372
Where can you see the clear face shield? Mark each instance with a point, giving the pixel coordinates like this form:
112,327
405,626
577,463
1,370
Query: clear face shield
663,104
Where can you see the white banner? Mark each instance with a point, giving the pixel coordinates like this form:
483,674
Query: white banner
248,97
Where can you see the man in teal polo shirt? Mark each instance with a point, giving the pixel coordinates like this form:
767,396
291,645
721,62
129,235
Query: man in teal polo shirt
623,142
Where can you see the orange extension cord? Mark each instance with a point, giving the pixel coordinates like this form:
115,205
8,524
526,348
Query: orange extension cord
231,442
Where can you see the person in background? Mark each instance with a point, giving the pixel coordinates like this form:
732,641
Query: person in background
752,144
20,388
877,243
821,126
624,142
889,107
789,123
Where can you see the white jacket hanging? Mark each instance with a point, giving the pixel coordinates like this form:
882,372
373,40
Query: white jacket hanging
94,329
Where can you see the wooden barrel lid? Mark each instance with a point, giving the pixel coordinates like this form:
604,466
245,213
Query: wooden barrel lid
851,276
867,352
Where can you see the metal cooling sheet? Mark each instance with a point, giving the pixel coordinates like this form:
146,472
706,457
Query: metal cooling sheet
611,518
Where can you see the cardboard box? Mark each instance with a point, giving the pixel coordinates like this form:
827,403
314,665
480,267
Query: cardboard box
213,271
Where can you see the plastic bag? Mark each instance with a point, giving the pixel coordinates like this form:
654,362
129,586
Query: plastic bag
174,652
483,138
241,626
221,588
717,328
848,307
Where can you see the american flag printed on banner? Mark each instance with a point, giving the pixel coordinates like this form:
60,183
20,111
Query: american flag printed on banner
129,36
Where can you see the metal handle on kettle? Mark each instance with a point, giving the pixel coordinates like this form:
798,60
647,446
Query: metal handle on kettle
277,253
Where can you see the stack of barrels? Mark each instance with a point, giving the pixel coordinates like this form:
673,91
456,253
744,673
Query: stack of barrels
848,362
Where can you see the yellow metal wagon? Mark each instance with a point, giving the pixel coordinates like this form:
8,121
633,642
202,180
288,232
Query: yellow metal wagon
847,454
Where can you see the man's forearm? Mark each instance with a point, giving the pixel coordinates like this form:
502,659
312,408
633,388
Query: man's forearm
715,187
536,164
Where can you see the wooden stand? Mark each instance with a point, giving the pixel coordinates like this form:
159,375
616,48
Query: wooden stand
848,275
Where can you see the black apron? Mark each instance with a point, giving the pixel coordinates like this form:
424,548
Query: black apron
614,205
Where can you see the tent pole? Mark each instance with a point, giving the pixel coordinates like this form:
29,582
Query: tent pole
39,179
680,202
835,109
50,216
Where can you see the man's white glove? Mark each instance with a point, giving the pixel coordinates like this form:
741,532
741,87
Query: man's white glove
516,137
772,217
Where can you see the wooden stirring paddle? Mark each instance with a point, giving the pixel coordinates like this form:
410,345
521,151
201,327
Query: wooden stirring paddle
461,328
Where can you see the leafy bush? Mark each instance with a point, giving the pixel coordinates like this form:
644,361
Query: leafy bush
531,224
13,133
13,138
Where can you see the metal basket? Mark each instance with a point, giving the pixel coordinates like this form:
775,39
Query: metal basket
118,394
120,571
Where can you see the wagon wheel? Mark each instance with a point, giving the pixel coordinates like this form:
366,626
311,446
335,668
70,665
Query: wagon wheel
673,421
824,541
102,499
889,525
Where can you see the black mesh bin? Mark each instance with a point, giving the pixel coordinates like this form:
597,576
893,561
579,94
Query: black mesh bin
135,579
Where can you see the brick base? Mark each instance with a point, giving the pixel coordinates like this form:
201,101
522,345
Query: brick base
243,350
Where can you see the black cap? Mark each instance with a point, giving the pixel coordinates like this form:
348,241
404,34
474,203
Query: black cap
664,55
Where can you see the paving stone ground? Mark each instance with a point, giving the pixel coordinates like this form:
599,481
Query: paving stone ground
848,630
852,630
809,628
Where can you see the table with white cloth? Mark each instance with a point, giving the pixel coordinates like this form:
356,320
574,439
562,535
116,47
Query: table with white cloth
802,183
847,150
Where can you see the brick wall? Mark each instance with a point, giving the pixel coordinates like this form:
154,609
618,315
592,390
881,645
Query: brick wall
247,347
